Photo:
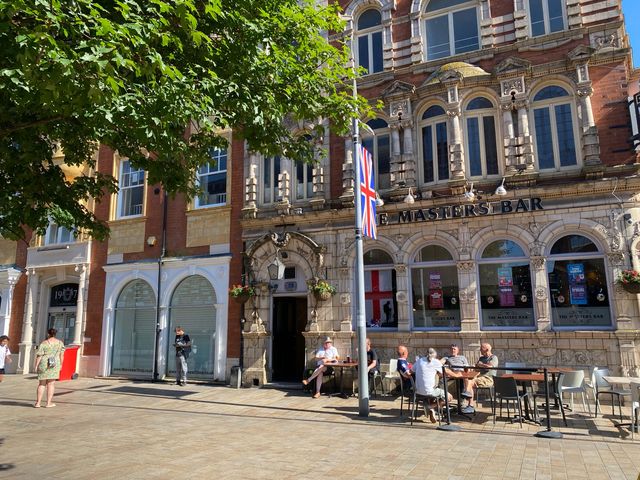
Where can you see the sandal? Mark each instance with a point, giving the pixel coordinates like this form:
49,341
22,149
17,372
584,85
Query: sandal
316,395
36,406
50,406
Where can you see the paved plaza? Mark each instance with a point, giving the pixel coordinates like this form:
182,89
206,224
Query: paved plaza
111,429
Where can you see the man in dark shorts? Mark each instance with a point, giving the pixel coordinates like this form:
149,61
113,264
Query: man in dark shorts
183,349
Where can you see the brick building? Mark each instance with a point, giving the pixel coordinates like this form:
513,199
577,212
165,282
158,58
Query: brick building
510,189
102,296
509,180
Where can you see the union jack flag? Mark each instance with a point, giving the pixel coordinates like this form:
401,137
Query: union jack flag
367,195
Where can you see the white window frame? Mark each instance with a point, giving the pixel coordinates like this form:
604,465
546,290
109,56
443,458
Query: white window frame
550,105
545,16
53,235
122,188
380,132
274,196
480,114
368,34
216,154
449,11
433,122
307,180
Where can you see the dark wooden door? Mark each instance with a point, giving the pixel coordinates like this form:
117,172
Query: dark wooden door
289,321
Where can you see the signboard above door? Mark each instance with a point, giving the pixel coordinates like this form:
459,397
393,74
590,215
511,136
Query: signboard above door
64,295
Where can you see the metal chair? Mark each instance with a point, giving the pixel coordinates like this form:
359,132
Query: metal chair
573,382
507,389
392,374
425,399
492,397
602,387
373,376
553,394
406,392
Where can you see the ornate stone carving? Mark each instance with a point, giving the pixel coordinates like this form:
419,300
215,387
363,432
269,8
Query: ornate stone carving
468,295
512,85
466,266
399,108
616,258
538,262
401,268
541,293
454,112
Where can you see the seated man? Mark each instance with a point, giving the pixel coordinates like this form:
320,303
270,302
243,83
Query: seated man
326,355
456,362
484,379
427,370
404,367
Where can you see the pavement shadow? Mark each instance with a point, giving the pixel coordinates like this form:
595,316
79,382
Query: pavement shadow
11,403
5,466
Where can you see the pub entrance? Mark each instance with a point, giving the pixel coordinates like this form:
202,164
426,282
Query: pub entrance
289,321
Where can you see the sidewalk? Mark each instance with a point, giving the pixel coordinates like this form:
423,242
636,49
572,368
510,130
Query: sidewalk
109,429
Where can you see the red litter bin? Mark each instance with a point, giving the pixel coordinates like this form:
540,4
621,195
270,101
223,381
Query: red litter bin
69,362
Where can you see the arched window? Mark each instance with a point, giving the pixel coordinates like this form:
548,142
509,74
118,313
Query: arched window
482,150
578,284
505,287
547,16
193,307
212,178
434,289
271,170
369,37
380,290
554,129
435,148
379,148
134,330
451,27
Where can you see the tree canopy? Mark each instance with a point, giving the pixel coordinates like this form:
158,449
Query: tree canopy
160,76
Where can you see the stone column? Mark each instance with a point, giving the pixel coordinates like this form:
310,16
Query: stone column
402,296
590,139
467,286
26,343
408,157
348,174
510,149
250,208
80,311
284,191
6,294
540,292
524,141
456,158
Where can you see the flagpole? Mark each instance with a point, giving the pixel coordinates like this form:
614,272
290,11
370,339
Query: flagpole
361,329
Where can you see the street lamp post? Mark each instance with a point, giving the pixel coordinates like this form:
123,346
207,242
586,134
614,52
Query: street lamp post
361,330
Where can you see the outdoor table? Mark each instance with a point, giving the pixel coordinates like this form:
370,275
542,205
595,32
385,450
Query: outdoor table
340,367
626,383
527,378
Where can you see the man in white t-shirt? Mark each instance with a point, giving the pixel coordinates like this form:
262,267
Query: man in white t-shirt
428,370
325,356
5,354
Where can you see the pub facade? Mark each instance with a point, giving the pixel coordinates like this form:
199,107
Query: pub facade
508,194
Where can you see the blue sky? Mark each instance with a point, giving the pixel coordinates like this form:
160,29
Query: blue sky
631,9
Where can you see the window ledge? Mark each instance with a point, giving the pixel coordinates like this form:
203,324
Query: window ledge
48,248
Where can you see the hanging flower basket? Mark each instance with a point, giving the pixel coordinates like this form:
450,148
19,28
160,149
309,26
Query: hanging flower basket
241,293
321,289
630,281
322,296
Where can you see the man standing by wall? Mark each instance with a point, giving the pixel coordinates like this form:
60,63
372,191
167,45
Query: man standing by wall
183,348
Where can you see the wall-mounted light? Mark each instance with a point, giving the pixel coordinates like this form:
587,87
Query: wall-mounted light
409,199
151,241
501,191
469,195
379,201
276,268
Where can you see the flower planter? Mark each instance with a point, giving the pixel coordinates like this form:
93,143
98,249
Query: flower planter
631,287
322,296
242,298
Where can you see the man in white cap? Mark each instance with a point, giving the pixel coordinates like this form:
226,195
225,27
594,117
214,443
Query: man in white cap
326,355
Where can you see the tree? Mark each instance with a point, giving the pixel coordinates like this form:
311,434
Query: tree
160,76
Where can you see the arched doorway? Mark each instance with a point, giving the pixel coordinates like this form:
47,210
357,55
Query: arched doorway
134,330
193,307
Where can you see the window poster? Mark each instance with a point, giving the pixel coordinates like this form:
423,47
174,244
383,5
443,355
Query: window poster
577,287
505,278
436,299
507,299
435,281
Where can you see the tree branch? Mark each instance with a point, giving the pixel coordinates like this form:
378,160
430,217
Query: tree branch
24,126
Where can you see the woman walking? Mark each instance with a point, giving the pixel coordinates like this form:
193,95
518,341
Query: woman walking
48,363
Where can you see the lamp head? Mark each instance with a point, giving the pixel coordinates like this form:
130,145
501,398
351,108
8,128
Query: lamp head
379,201
409,199
469,195
276,269
501,191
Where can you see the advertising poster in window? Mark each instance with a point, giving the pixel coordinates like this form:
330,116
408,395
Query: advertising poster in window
505,278
577,284
507,299
436,296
